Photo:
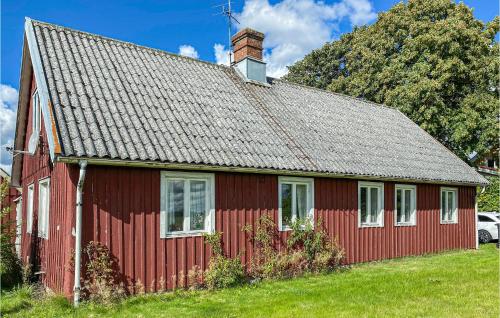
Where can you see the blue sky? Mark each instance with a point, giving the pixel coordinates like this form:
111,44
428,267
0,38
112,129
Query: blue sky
292,27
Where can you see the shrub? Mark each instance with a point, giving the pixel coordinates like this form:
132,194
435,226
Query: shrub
304,237
222,271
329,258
264,259
10,264
321,253
308,250
99,284
195,278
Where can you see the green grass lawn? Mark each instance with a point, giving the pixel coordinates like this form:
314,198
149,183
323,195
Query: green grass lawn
451,284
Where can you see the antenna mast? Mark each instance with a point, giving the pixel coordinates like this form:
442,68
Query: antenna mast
226,11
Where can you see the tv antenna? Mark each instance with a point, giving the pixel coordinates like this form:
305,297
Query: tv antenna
228,13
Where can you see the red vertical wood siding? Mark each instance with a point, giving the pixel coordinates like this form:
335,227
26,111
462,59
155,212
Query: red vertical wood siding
336,202
121,209
52,255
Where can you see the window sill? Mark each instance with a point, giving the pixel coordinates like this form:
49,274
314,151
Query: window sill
370,225
288,229
184,234
448,222
406,224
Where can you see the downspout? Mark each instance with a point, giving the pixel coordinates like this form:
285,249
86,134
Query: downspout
476,210
78,231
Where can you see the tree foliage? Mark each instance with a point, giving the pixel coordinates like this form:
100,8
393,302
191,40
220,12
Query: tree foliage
10,265
430,59
489,201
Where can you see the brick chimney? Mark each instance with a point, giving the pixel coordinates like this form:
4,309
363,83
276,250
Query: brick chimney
247,43
247,48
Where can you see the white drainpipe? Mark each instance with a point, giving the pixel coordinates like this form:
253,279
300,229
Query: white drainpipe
476,207
78,231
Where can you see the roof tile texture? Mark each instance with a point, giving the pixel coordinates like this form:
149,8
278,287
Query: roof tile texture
118,100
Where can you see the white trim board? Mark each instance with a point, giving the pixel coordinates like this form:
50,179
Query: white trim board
41,84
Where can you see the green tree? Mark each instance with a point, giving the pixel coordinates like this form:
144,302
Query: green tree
430,59
10,265
489,201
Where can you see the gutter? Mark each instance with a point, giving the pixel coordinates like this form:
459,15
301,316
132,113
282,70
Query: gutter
78,231
483,188
206,167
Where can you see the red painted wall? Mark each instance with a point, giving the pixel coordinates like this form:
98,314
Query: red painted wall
121,209
51,256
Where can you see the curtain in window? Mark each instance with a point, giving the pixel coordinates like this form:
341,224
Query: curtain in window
301,201
450,207
364,207
399,199
407,206
286,203
175,205
373,205
197,209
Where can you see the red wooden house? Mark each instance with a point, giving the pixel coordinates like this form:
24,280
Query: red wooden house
144,151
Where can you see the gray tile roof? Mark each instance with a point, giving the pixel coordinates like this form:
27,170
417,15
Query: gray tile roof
118,100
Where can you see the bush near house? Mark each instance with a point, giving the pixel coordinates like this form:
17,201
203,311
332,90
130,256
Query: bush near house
10,265
489,201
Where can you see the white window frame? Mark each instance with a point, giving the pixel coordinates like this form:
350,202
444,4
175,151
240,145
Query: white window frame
455,213
209,178
309,183
19,224
413,206
29,208
37,116
43,211
381,213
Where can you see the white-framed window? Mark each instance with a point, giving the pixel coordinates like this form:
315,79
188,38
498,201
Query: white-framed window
187,203
405,203
295,197
449,205
43,207
36,122
29,208
36,112
370,204
19,223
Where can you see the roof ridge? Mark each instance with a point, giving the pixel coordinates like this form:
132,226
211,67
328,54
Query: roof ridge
123,42
366,101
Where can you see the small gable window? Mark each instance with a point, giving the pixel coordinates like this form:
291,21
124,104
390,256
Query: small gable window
370,204
449,205
295,200
187,203
43,208
36,122
406,204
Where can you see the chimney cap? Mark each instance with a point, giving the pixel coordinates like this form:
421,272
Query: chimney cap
247,32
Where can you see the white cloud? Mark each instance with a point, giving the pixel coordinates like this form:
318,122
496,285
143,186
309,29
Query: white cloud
189,51
8,106
221,54
294,28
